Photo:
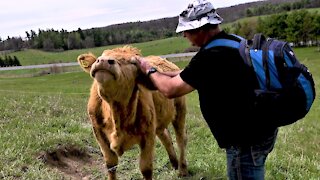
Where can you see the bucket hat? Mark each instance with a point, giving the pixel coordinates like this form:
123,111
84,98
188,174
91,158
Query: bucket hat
197,14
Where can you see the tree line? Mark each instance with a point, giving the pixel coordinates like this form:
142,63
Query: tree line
135,32
55,40
9,61
270,8
300,27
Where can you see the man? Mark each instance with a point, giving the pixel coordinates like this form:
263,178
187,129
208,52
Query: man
225,87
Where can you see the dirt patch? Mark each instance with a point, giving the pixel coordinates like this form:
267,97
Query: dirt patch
74,163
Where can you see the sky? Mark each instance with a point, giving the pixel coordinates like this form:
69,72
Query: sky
19,16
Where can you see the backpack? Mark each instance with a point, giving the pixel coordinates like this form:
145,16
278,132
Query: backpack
286,89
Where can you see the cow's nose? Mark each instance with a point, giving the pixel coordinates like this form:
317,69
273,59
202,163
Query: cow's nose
100,60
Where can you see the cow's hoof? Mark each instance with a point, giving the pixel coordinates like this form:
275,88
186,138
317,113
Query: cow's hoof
183,173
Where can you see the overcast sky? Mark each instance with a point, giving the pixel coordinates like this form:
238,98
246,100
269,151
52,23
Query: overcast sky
19,16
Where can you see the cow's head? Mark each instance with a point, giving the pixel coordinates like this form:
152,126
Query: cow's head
115,72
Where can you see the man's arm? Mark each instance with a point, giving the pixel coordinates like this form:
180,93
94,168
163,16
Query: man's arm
169,84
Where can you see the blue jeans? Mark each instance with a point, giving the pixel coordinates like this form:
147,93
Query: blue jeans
249,163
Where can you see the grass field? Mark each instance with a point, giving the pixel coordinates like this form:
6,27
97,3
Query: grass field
45,134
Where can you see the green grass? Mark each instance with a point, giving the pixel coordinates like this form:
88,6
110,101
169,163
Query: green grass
42,113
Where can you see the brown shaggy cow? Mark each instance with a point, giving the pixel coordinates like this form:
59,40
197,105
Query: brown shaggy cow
124,110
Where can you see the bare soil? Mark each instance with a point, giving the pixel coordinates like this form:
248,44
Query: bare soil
74,163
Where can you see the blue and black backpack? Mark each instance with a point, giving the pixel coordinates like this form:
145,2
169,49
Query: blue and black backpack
286,88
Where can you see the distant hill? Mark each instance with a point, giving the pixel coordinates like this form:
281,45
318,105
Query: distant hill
168,25
238,12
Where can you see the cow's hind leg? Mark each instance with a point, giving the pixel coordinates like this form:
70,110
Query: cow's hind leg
166,140
109,156
182,143
181,137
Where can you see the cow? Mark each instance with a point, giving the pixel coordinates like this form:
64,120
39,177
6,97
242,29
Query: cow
125,110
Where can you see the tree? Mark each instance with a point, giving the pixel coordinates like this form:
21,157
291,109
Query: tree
316,28
236,27
82,36
249,12
48,44
88,42
1,62
97,37
307,27
28,35
6,61
248,29
10,61
298,26
74,41
16,62
273,26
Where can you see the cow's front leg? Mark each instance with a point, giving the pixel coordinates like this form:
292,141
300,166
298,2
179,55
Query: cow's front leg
146,156
109,156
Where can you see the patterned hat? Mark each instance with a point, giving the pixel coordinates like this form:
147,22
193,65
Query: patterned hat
198,13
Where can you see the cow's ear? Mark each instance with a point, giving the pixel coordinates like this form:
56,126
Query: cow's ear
145,81
142,78
86,60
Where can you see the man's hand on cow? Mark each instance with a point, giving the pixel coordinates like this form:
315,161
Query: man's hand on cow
142,64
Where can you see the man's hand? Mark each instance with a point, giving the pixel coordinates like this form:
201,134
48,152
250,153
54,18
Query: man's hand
142,64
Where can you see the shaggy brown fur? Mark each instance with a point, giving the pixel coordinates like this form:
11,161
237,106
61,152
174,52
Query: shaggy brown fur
124,111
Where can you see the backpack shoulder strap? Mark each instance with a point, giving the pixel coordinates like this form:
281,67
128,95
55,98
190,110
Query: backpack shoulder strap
279,48
258,41
242,46
244,50
224,43
265,56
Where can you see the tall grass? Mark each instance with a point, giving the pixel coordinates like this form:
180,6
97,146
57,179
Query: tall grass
41,113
